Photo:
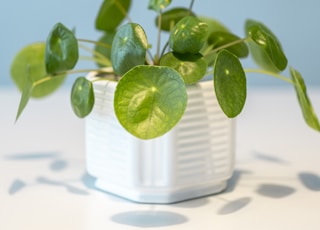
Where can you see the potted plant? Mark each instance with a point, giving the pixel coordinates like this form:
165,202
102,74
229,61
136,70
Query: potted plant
160,126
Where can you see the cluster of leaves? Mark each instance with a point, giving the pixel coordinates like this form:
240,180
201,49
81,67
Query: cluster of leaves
151,94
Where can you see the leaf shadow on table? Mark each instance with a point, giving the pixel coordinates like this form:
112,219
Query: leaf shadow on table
16,186
149,218
269,158
234,206
310,180
30,156
275,191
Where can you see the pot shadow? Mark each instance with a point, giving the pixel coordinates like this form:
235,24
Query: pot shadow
149,219
235,179
310,180
234,206
275,191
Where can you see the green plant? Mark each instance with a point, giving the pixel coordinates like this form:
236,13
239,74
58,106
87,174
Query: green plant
151,94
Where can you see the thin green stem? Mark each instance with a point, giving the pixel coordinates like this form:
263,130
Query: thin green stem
191,6
100,57
227,45
276,75
157,57
95,43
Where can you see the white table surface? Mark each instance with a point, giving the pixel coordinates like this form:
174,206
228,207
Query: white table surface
44,185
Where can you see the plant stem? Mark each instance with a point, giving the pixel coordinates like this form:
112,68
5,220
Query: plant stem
157,57
95,42
276,75
227,45
191,6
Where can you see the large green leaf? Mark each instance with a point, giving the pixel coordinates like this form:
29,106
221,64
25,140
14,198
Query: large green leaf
192,67
304,101
170,17
111,14
82,97
158,5
188,35
29,64
229,83
129,48
150,100
265,47
221,38
62,51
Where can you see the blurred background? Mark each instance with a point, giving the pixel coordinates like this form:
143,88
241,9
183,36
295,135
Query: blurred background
296,23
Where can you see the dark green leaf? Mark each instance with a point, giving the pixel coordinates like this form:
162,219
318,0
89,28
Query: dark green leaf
61,50
111,14
265,47
150,100
158,5
26,94
170,18
221,38
188,35
82,97
129,48
307,110
29,63
192,67
229,83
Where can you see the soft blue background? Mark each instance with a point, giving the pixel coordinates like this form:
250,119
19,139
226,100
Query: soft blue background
295,22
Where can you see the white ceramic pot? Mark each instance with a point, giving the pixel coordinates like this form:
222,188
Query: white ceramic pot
194,159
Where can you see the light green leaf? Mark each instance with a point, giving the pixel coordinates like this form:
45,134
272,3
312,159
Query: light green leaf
265,47
188,35
192,67
29,63
26,93
229,83
82,97
307,110
158,5
150,100
111,14
129,48
170,17
62,51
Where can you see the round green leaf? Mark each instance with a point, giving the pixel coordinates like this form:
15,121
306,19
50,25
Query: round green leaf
82,97
107,39
213,24
229,83
221,38
61,50
29,64
189,35
158,5
170,17
129,48
111,14
265,47
150,100
192,67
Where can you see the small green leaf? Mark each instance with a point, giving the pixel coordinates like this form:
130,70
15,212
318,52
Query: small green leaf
129,48
188,35
265,47
29,63
229,83
221,38
26,94
61,50
82,97
150,100
111,14
213,24
307,110
170,17
158,5
192,67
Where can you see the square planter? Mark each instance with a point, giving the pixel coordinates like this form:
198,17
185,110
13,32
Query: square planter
194,159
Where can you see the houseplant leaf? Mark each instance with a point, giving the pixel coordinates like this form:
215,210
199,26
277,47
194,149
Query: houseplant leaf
188,35
129,48
304,101
144,99
221,38
158,5
170,17
111,14
61,50
82,97
192,67
29,63
265,47
229,83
